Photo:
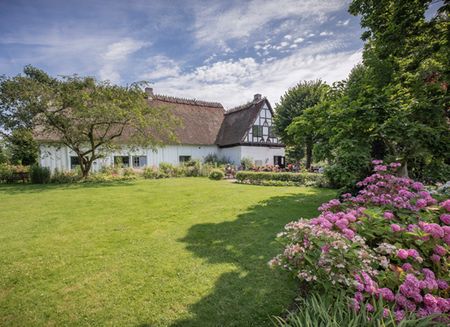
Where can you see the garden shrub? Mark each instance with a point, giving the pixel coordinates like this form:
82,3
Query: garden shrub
216,174
63,177
39,175
167,169
6,172
192,168
266,178
389,242
247,163
214,159
334,310
153,173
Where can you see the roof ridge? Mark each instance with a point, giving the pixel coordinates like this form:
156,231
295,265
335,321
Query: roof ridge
244,106
187,101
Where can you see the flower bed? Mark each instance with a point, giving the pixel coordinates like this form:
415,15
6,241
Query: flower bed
388,243
288,179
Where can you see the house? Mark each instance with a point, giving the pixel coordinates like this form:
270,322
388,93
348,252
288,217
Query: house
205,128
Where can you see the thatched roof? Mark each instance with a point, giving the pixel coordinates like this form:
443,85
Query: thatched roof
200,121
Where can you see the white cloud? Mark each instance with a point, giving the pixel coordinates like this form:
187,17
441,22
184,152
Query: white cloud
288,36
215,22
343,22
283,44
122,49
299,40
116,54
326,33
293,46
162,67
233,82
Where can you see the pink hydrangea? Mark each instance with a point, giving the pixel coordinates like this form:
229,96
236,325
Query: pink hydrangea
395,228
446,205
402,254
435,258
445,218
388,215
440,250
386,294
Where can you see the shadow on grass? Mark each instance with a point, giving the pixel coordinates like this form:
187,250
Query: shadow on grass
252,292
38,188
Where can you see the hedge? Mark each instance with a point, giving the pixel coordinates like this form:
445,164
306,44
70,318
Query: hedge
288,179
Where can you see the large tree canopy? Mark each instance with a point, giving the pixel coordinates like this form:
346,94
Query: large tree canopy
394,105
293,103
82,113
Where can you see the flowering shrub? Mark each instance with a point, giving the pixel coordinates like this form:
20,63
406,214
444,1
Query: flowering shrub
390,242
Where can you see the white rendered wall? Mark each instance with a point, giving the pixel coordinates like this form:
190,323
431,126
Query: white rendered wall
58,157
261,153
233,154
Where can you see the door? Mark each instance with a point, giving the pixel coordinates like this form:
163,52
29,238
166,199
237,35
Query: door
279,161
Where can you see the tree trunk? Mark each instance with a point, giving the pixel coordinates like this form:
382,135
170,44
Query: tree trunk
403,172
308,155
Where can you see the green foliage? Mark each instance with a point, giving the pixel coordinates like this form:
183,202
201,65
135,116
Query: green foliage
247,163
6,172
293,104
192,168
64,177
276,179
23,149
82,113
322,309
214,159
153,173
394,105
216,174
39,175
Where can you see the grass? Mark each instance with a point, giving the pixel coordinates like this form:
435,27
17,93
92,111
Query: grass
175,252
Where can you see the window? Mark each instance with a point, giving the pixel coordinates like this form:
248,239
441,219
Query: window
257,131
74,162
271,132
139,161
184,158
279,161
122,161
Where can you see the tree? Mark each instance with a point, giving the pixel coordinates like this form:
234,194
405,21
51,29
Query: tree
293,103
22,147
86,115
407,58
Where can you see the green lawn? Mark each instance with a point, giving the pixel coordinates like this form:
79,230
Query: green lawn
175,252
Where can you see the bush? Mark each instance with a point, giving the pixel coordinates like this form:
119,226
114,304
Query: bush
6,172
319,309
247,163
216,174
192,168
214,159
39,175
261,178
153,173
391,241
64,177
129,172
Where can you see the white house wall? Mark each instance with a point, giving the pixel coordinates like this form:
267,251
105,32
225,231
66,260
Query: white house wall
233,154
58,157
261,154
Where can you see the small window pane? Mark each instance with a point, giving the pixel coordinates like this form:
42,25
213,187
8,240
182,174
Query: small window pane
184,158
74,162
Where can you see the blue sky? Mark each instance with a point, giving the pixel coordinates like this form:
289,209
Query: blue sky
212,50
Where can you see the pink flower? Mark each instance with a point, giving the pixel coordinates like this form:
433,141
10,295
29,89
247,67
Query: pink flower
440,250
377,162
442,284
417,186
421,203
380,168
349,233
445,218
407,266
399,315
395,228
435,258
388,215
446,205
369,307
386,294
402,254
413,253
